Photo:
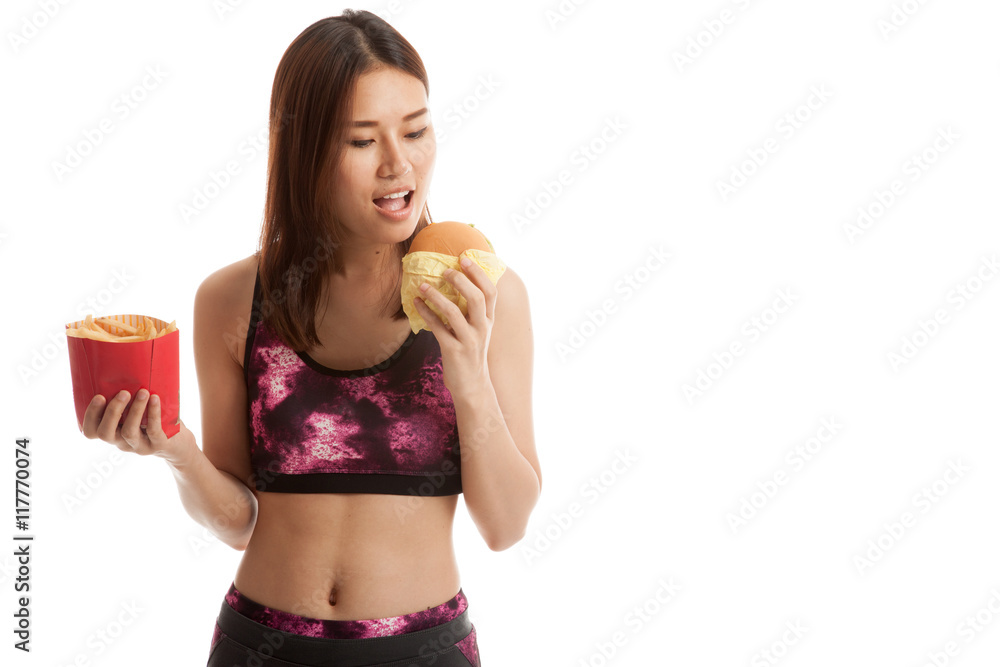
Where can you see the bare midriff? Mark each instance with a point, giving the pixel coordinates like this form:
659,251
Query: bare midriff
350,556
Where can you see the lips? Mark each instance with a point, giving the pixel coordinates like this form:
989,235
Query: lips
393,203
396,190
395,209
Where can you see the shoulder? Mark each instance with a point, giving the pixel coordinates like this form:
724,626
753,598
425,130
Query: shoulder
510,282
231,286
512,294
223,301
512,317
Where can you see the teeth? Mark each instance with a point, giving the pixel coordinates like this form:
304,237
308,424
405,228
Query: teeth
397,195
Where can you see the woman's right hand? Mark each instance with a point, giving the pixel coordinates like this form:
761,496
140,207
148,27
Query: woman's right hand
101,421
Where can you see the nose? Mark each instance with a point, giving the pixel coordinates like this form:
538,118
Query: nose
394,161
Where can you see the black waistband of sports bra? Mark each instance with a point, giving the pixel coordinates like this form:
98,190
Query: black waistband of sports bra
430,484
335,652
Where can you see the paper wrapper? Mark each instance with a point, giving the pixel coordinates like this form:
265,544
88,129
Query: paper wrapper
429,267
105,367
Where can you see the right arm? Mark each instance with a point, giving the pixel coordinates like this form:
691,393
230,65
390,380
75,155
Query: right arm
211,480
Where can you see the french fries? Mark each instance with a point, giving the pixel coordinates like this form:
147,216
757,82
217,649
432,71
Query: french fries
107,329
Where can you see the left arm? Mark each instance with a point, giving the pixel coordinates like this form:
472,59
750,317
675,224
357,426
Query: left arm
495,423
501,475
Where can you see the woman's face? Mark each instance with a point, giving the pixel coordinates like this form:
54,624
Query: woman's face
390,147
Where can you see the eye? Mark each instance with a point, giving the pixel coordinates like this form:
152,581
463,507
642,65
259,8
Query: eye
364,143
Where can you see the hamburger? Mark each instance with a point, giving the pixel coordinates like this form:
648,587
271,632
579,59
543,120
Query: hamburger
435,248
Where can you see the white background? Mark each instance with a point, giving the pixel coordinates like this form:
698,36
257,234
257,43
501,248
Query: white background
611,362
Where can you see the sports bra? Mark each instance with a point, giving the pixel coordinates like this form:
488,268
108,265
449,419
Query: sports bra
390,428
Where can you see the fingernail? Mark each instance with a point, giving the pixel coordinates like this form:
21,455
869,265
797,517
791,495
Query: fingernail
122,395
155,400
466,262
142,395
424,287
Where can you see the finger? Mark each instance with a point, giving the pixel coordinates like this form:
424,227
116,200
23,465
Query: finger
130,429
154,428
430,317
487,288
470,286
108,428
456,319
92,417
434,323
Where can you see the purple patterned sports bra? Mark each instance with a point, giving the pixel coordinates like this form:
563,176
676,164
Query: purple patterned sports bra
389,428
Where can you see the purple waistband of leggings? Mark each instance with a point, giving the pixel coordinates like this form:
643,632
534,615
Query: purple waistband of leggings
339,629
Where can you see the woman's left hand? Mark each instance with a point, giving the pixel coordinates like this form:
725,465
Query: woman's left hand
464,341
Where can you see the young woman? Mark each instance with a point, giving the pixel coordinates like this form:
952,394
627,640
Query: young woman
335,440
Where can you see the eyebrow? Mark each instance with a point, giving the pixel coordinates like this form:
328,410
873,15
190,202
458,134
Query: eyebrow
373,123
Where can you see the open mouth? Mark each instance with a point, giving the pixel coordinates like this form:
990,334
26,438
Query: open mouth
393,204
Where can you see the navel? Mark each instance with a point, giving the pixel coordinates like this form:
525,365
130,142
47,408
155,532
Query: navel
333,596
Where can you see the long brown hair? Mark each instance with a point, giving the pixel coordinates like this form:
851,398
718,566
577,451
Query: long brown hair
311,102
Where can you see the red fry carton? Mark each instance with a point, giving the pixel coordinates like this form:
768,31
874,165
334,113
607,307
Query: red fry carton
106,367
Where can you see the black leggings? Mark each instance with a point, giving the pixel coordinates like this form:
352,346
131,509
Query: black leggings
241,641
